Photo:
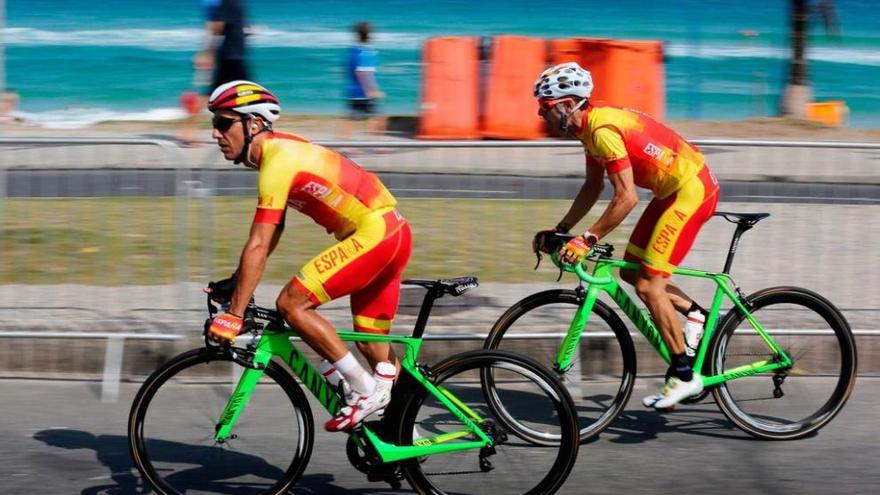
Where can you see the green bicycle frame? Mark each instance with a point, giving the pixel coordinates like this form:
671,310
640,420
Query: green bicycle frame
603,280
276,342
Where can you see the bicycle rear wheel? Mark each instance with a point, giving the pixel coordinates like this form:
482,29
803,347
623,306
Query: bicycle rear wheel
790,403
533,396
172,422
602,377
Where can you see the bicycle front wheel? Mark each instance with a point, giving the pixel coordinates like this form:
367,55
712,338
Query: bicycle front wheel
602,377
792,402
172,422
532,395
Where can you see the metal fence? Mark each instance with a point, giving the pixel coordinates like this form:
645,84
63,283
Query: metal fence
118,235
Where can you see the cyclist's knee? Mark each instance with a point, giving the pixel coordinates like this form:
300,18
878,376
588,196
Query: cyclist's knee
650,287
293,304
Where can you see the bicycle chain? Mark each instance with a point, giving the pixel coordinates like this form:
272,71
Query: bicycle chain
446,473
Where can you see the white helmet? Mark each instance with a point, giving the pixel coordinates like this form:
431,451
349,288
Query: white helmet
245,97
568,79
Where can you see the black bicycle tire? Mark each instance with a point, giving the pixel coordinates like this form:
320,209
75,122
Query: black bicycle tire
568,446
843,390
194,357
600,309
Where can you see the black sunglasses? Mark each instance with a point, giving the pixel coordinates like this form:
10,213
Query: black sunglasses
223,124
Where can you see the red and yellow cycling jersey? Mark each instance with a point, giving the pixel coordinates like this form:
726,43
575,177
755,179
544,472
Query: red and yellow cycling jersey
618,138
328,187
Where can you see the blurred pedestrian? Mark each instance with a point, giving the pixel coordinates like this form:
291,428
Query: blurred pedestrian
361,86
221,59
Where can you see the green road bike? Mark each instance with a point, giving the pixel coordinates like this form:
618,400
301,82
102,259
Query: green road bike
234,420
768,377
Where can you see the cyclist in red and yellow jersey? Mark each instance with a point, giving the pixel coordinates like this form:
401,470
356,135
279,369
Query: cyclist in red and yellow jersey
350,203
635,150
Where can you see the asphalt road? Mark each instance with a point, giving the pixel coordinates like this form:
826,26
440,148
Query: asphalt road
59,439
152,182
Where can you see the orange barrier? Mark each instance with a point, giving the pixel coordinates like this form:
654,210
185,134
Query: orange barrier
564,50
450,88
625,73
832,112
511,111
636,77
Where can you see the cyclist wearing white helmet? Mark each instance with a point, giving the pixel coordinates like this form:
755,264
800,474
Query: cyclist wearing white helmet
349,202
635,150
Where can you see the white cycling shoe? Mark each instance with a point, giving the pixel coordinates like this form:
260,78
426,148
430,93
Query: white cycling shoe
674,391
357,409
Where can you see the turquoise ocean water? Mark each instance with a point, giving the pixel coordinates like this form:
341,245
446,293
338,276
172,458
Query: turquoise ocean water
121,59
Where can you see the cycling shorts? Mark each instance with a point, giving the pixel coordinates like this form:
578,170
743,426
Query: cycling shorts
667,228
367,265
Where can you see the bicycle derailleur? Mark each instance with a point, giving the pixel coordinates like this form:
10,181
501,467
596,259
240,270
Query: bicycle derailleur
498,437
778,379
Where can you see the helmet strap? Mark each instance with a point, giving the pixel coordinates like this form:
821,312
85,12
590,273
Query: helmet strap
566,116
248,138
242,157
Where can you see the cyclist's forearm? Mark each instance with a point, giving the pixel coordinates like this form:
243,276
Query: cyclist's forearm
583,203
617,210
250,269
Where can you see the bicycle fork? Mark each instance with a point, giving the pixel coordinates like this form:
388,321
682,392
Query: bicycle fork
237,402
568,349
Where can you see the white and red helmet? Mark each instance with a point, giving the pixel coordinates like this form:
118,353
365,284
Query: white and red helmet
559,81
245,97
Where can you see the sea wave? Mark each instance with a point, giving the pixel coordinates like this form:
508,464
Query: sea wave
186,39
857,56
190,39
78,118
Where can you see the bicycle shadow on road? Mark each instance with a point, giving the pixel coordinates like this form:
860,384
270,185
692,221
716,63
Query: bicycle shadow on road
634,426
112,452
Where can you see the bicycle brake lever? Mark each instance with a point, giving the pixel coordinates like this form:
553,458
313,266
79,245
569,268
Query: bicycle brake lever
561,271
539,257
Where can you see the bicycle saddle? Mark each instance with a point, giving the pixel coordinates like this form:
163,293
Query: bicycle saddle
455,286
742,218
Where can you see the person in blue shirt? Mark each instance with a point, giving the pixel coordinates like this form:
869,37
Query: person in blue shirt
362,90
220,60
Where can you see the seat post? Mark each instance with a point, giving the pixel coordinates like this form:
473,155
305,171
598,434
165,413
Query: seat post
434,293
740,229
